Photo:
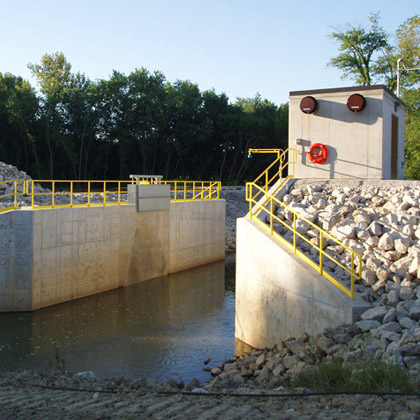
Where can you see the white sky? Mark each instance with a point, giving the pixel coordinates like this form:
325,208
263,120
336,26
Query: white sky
239,47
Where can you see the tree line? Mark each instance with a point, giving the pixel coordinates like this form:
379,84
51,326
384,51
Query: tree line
76,128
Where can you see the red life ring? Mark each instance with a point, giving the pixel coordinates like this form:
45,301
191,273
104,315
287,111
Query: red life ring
318,153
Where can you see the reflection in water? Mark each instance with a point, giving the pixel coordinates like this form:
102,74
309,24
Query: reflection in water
162,328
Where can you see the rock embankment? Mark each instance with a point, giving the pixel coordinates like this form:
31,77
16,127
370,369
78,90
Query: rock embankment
377,219
381,221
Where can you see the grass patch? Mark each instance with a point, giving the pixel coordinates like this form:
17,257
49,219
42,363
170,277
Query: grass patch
367,374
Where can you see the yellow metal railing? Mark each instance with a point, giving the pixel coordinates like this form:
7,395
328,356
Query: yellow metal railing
67,193
284,163
17,187
45,194
193,190
261,201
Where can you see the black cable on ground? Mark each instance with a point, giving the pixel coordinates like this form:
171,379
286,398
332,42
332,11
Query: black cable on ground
302,394
227,394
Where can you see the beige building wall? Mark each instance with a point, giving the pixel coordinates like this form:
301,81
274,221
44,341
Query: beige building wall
359,144
51,256
278,296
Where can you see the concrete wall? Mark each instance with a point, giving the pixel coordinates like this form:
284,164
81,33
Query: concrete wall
55,255
150,247
197,233
278,296
16,240
358,143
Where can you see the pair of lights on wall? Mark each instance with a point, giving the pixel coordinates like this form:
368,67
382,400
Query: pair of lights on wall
355,103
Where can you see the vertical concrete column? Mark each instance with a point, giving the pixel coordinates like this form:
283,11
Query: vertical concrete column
150,253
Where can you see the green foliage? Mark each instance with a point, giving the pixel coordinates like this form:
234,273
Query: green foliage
412,135
364,375
358,47
408,45
367,56
135,123
52,74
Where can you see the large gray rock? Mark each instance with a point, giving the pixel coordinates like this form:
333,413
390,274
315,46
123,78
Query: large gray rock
375,228
414,311
390,316
344,232
367,325
386,242
401,245
408,323
411,349
376,314
369,277
406,293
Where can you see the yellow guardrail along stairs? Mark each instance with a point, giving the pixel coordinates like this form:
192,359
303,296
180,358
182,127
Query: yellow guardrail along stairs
270,213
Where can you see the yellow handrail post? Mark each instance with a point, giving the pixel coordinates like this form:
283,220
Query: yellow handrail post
53,194
294,232
15,194
352,276
88,193
32,195
104,192
321,241
71,193
271,215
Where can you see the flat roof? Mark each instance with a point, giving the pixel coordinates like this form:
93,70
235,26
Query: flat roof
345,89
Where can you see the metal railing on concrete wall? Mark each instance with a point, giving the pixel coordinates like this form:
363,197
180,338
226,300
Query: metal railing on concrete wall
43,194
68,193
293,230
9,191
193,190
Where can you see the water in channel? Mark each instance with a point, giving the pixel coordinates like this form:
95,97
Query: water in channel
162,328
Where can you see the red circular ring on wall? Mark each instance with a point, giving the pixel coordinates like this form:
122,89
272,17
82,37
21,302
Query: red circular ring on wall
318,153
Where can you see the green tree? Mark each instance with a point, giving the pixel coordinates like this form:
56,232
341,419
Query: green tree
408,45
408,48
359,47
53,76
18,123
79,117
412,134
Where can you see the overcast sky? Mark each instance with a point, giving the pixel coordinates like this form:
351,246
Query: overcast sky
239,47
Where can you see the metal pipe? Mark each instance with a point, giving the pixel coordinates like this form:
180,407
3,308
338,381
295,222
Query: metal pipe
398,76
